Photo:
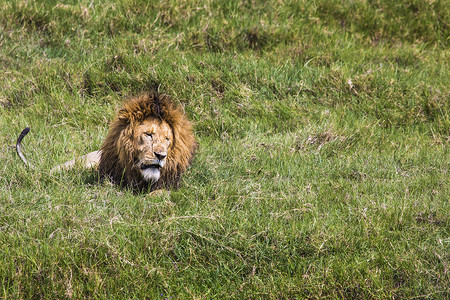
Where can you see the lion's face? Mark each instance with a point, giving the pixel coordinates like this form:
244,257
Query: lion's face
149,144
152,140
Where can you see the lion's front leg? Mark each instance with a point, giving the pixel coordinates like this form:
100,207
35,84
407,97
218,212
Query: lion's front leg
159,192
88,161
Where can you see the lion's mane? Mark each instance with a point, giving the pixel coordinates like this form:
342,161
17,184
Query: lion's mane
118,153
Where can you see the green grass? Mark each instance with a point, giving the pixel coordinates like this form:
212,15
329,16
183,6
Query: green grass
323,163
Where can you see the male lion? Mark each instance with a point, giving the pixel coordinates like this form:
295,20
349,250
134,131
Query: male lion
149,145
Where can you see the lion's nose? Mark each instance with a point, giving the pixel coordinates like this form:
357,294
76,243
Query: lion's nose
160,155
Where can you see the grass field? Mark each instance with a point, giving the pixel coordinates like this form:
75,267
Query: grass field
323,164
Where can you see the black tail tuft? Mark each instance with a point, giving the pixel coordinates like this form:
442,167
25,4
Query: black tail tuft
19,145
22,135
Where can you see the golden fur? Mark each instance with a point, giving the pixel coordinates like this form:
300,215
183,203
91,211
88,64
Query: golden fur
121,157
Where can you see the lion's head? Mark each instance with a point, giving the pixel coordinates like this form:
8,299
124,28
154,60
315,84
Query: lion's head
149,144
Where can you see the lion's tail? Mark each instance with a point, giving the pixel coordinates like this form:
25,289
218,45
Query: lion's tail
19,145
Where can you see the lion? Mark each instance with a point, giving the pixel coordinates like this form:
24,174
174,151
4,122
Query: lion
149,145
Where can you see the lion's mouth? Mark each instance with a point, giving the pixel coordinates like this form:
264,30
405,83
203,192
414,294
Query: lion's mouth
151,172
150,166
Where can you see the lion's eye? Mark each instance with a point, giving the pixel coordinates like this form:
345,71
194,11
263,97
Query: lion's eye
149,134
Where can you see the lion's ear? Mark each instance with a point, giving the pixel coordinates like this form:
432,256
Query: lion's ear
123,115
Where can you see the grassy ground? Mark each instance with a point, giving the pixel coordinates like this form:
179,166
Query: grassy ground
324,149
